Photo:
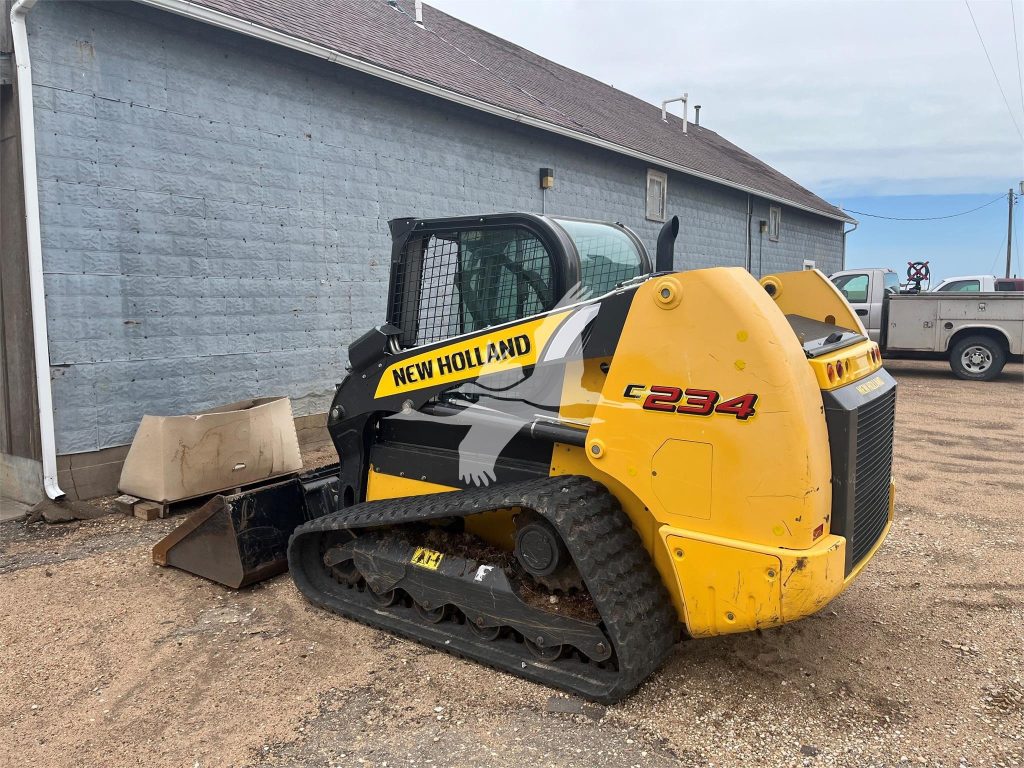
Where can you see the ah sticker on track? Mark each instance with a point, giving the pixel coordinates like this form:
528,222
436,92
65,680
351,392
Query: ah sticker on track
427,558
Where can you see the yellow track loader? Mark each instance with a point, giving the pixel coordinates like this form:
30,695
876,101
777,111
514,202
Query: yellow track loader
558,458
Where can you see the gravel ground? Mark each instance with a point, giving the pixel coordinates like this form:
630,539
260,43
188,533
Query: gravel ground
107,660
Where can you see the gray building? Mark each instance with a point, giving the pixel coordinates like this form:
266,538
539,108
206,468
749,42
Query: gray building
214,181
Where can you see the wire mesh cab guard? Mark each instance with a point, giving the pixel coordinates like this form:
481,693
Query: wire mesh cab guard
457,275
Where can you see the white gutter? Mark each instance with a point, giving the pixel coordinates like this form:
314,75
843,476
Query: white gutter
225,21
37,292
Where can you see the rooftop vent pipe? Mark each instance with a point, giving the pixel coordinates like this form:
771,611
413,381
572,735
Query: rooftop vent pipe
696,115
419,13
664,111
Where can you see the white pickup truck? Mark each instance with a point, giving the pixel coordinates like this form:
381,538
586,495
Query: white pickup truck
976,332
979,284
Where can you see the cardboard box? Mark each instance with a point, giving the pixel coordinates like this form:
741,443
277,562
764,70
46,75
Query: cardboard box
180,457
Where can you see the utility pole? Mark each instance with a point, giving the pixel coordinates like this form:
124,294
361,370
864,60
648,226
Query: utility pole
1009,230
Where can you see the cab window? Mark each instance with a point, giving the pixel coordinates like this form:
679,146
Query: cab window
505,274
608,256
451,283
891,282
853,287
962,286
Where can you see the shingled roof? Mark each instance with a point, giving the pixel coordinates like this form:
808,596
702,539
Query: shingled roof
455,60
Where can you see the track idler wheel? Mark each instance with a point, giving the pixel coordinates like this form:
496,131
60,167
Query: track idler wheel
542,554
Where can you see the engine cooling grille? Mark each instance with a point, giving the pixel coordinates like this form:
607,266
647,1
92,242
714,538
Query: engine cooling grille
872,473
861,418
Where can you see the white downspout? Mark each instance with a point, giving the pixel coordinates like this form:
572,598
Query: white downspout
40,342
846,232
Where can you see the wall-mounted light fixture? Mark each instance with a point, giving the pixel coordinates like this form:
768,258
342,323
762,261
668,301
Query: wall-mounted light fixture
547,178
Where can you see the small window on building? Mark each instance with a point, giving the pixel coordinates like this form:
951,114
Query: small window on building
774,223
810,264
657,195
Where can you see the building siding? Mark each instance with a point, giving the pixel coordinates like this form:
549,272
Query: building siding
802,236
214,210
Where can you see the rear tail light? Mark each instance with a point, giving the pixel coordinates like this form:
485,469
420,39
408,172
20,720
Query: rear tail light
831,372
839,368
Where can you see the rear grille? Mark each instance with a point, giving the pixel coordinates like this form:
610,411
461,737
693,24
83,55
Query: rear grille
872,473
860,418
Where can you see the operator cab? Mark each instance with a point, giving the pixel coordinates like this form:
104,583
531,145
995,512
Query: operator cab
458,275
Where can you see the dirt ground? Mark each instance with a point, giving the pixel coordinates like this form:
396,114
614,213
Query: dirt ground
108,660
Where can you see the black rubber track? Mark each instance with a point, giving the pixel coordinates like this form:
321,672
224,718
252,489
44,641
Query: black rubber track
627,591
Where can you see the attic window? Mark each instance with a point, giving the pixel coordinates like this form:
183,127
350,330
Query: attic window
774,223
657,194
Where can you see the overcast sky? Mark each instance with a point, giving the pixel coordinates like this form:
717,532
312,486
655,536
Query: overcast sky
851,99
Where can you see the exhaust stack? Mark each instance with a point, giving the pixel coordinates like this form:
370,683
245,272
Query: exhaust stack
663,258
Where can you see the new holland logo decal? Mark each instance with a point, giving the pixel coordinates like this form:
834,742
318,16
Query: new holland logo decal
513,347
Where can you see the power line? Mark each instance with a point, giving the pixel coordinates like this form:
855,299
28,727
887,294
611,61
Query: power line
925,218
999,255
992,67
1016,46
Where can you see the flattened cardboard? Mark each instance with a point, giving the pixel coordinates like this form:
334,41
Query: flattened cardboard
180,457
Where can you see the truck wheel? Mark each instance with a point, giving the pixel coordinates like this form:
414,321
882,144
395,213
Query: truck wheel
979,358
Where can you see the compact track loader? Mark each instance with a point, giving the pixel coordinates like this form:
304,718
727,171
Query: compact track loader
557,458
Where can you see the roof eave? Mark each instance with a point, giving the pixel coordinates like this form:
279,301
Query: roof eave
226,21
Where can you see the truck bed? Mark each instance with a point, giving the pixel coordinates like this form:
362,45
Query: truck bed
926,322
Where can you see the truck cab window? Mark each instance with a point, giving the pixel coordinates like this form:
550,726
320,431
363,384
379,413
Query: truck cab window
891,282
853,287
962,286
608,256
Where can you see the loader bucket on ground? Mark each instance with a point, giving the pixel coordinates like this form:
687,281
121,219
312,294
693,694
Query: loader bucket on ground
242,538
